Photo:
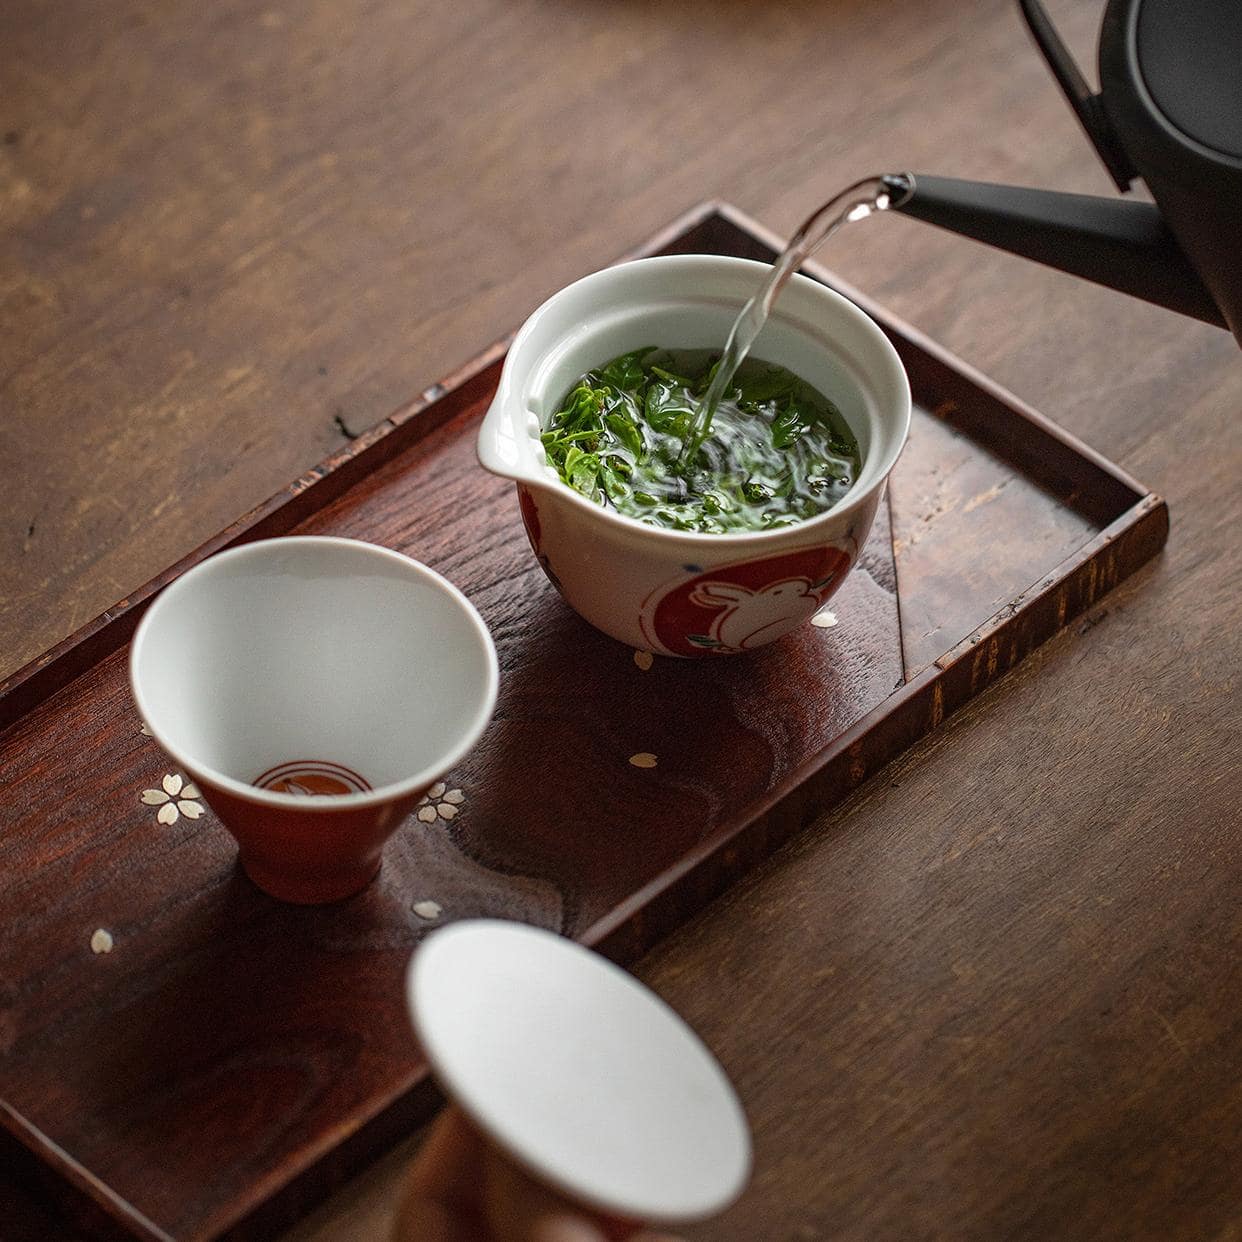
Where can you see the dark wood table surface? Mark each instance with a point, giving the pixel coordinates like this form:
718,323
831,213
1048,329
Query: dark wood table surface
999,993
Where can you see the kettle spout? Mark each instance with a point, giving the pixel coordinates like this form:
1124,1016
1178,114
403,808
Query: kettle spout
1123,245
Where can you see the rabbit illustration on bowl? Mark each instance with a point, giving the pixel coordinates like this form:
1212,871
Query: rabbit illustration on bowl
749,618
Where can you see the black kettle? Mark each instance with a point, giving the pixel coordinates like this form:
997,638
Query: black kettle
1169,111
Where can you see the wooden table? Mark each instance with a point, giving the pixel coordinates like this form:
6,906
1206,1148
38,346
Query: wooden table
999,993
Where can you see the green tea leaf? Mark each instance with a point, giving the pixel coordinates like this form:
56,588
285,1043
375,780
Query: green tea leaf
626,372
770,385
583,474
626,430
790,425
668,409
585,404
612,481
678,381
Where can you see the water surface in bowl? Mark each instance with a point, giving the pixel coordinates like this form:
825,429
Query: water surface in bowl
778,451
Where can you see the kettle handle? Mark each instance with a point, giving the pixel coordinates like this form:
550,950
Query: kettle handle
1087,107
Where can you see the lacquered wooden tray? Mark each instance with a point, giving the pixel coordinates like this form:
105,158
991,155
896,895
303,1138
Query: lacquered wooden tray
231,1059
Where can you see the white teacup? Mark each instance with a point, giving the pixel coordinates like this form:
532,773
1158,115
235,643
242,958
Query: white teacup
314,688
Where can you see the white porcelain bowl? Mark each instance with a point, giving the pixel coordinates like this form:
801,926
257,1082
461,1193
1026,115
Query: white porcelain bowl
676,592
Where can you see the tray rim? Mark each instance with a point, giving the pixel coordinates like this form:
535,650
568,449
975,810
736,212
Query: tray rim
1062,593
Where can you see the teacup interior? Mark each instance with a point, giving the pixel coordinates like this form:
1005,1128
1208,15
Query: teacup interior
313,650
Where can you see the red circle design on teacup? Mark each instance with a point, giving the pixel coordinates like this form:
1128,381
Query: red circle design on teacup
735,608
312,778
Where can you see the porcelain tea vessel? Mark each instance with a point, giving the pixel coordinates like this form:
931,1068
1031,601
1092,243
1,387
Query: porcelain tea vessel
683,593
313,688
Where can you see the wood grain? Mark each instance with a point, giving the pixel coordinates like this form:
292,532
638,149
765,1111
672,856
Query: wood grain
995,996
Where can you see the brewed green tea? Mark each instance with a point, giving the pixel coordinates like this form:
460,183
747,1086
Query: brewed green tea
628,435
717,442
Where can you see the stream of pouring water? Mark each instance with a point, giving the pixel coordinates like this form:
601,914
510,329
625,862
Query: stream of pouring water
859,201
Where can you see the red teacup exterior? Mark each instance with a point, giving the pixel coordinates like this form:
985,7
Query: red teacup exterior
309,854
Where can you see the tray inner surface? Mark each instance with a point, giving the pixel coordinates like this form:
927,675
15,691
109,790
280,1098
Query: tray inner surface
228,1044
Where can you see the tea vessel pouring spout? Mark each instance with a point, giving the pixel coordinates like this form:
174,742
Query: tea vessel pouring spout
1170,112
